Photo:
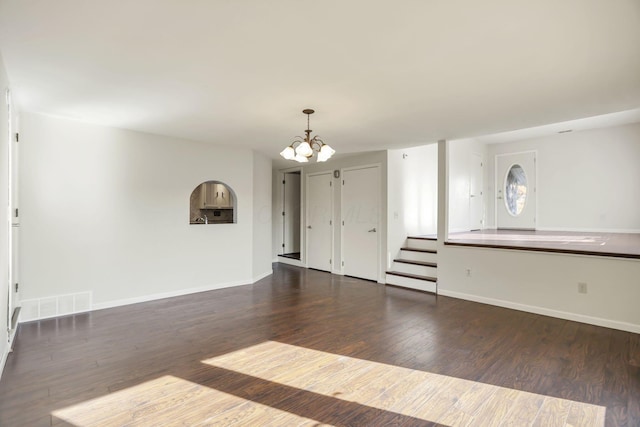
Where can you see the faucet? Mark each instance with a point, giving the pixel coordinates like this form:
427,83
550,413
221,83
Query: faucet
206,220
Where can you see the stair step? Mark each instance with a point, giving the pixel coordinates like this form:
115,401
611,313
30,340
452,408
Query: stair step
430,251
421,242
410,261
413,276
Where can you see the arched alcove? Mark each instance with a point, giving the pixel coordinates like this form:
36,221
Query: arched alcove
213,202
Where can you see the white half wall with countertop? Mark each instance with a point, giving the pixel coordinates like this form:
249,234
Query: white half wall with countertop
105,211
536,282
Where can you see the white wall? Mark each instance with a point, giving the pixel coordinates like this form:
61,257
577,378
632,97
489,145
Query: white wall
412,181
460,158
261,216
545,284
106,210
4,219
586,180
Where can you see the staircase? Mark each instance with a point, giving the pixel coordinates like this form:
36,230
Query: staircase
416,266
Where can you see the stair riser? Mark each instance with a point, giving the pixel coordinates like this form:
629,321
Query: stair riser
419,256
407,282
422,244
415,269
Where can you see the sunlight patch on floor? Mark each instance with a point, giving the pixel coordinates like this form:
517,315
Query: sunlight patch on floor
528,238
412,393
171,401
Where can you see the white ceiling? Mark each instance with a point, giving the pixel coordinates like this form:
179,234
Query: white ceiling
379,74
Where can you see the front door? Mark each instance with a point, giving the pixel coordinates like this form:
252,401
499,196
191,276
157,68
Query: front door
319,221
360,219
516,190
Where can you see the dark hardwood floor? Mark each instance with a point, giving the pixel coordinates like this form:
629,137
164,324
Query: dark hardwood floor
66,361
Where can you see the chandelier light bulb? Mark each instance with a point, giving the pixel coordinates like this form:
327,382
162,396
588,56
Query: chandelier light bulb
301,159
304,149
288,153
327,151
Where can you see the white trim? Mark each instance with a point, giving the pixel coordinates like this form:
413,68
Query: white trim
163,295
3,361
262,276
597,321
306,216
302,242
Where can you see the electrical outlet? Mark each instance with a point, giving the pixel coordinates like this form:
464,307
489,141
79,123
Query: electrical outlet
582,288
468,271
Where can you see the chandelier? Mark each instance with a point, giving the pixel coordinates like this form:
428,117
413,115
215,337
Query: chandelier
302,149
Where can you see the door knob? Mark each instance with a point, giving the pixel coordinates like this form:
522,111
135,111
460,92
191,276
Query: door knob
373,230
308,226
499,197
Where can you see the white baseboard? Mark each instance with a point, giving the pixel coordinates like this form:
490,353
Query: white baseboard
597,321
37,315
3,361
262,276
170,294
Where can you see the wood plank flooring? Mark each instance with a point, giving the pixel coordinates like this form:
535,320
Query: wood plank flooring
304,347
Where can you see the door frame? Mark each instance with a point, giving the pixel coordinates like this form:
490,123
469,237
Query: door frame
481,189
380,199
13,220
306,217
498,183
280,227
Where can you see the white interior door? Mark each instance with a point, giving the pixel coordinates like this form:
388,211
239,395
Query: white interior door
319,210
360,219
476,205
516,190
13,223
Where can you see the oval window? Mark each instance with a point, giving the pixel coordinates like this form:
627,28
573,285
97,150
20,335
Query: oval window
515,190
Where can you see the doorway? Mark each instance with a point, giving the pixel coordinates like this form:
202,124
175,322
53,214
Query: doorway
516,191
476,205
319,209
361,222
291,209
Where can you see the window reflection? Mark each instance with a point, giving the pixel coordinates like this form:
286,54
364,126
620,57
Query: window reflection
516,190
